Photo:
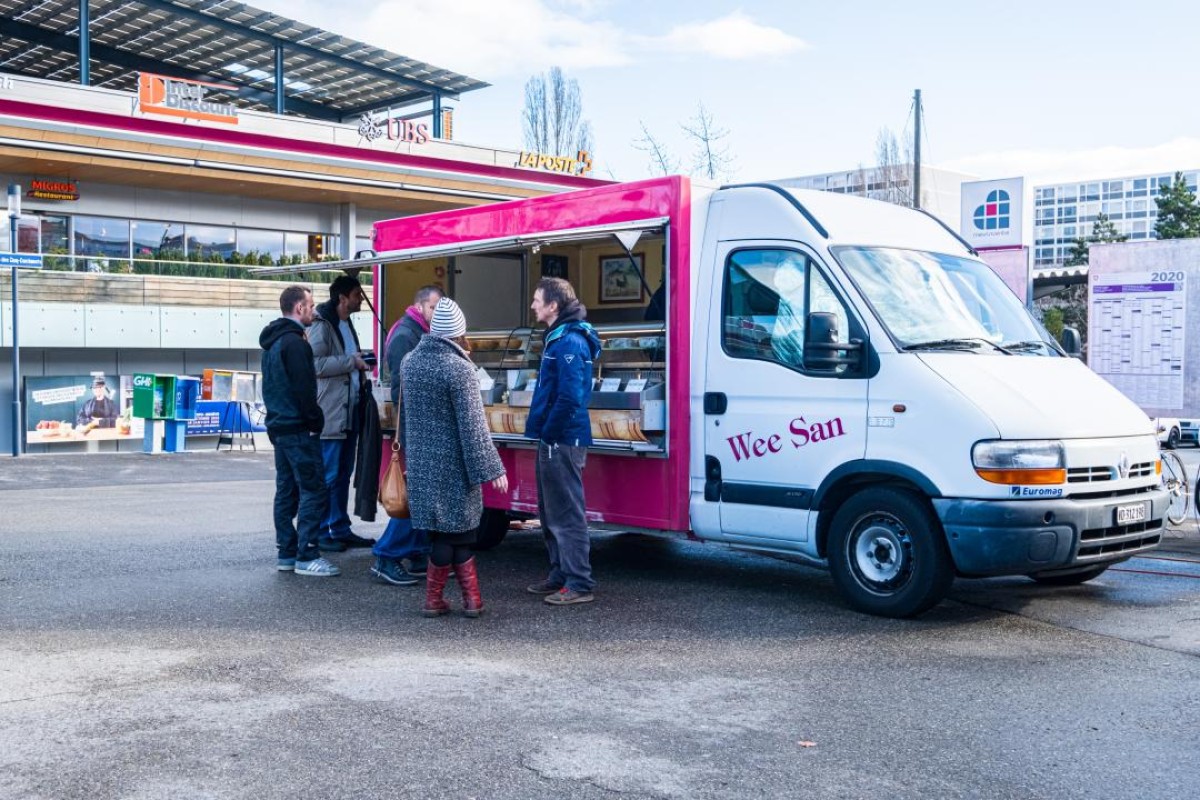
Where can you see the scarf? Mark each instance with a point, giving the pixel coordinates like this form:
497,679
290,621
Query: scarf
417,316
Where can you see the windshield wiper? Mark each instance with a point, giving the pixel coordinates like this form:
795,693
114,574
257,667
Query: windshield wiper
965,343
1032,344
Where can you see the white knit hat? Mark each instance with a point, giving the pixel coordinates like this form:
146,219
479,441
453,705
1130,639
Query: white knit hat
448,320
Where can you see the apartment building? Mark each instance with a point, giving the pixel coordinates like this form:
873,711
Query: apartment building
1064,212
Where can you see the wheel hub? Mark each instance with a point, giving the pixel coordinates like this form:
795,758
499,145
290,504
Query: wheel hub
881,553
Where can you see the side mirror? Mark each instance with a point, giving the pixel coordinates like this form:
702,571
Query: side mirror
1071,342
821,348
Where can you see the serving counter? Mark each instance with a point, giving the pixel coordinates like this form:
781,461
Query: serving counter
628,406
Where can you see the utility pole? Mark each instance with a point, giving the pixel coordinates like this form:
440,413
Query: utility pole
917,152
14,214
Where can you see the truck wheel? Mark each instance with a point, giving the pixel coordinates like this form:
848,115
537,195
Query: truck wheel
887,555
1173,439
1072,578
493,527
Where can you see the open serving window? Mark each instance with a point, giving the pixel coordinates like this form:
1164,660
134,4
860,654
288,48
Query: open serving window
618,272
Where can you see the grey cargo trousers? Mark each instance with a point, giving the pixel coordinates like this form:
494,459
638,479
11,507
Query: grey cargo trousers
561,510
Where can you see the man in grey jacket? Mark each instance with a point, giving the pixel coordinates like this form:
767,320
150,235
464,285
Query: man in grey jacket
341,385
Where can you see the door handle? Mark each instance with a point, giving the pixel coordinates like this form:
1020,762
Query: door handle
712,479
715,403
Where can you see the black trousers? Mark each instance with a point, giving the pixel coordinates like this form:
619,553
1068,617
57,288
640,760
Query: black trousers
300,493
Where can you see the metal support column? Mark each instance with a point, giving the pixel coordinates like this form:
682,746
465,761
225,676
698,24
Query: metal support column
348,226
279,97
437,115
14,214
85,44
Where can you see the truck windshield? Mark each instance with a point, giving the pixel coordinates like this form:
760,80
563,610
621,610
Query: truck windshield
936,301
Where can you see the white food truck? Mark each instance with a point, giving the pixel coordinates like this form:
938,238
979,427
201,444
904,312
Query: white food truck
833,378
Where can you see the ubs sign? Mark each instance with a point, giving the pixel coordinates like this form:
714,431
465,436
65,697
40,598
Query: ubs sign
172,97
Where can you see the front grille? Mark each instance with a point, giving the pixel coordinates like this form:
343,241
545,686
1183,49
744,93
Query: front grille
1104,543
1114,493
1090,474
1096,474
1141,470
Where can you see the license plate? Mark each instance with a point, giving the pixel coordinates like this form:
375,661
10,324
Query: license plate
1130,514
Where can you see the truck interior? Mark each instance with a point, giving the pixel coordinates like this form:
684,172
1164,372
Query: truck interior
618,275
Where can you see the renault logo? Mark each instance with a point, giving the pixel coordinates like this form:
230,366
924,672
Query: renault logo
1123,466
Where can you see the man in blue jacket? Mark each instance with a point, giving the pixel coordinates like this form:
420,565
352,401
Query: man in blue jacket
558,419
294,424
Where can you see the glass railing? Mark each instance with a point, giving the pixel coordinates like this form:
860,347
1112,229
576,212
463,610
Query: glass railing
151,282
238,267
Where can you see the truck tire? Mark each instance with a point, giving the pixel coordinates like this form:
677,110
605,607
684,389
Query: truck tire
493,527
1173,439
1071,578
887,553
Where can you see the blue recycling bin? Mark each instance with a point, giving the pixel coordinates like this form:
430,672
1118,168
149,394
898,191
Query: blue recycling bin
187,396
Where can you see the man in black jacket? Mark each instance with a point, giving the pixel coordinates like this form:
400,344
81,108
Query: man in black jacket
294,424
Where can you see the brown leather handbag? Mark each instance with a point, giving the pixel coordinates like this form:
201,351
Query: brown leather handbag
393,491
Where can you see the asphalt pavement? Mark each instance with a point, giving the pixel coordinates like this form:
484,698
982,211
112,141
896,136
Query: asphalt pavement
149,650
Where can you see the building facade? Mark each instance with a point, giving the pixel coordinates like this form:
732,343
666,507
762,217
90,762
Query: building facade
1064,212
940,188
149,224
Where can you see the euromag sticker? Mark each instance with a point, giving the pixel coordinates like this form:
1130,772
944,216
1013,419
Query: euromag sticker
1035,491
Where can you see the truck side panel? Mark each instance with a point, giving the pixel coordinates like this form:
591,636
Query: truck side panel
645,491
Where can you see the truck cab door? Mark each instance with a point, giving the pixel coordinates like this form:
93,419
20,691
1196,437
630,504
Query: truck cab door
774,425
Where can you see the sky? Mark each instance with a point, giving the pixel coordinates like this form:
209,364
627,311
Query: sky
1053,90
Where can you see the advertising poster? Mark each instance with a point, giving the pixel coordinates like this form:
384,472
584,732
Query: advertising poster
224,416
1137,335
79,408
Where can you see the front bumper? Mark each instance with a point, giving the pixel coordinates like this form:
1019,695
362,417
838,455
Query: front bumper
1020,537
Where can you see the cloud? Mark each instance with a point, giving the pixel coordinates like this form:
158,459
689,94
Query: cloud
491,39
1042,167
733,37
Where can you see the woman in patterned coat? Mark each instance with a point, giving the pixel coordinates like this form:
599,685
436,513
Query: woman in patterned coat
449,454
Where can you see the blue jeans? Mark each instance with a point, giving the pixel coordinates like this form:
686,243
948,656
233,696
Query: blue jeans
299,492
338,455
401,540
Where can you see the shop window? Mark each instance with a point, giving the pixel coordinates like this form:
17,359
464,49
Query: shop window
210,243
295,246
27,235
158,240
261,248
55,242
768,296
97,239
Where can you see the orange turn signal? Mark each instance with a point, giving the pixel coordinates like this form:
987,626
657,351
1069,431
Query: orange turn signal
1029,477
1158,467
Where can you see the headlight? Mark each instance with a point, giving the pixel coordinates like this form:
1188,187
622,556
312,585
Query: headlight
1036,462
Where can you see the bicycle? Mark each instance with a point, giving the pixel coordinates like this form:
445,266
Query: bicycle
1175,480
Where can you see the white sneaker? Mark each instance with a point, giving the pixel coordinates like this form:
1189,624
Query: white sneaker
318,567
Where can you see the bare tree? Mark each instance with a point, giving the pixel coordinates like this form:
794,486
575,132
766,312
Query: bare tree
712,159
553,115
892,178
661,160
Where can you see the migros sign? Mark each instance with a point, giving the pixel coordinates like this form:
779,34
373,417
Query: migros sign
172,97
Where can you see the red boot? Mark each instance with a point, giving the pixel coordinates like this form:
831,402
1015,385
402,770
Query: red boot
468,579
435,584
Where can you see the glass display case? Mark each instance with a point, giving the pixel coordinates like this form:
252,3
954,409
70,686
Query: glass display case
628,408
